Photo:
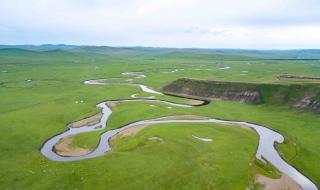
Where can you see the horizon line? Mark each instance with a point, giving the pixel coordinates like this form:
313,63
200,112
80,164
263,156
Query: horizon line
159,47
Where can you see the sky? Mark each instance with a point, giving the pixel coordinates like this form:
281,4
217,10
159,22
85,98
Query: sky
245,24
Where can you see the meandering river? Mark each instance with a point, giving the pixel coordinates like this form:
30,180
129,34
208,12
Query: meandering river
266,151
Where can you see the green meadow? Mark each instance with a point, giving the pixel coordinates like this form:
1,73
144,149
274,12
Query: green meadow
41,91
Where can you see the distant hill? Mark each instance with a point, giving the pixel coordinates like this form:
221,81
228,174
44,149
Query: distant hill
39,47
16,51
173,53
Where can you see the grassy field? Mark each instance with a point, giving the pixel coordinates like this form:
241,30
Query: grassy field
38,95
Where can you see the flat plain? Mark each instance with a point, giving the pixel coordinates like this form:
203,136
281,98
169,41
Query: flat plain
42,90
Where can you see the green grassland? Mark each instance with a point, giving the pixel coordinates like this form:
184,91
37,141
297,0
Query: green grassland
33,111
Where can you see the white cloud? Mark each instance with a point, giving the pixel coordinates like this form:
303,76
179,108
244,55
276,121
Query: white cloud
177,23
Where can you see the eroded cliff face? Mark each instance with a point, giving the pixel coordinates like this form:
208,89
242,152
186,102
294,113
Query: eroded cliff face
244,96
308,103
303,97
215,90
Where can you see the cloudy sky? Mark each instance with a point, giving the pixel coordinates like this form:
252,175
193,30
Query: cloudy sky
252,24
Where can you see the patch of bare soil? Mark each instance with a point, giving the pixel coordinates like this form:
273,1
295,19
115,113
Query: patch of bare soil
130,131
284,183
195,102
87,121
63,148
111,104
